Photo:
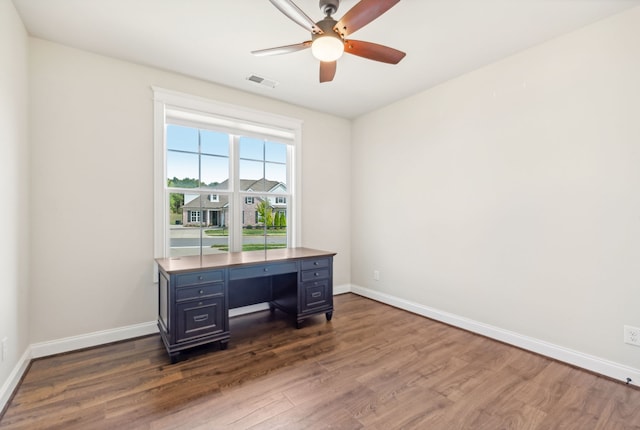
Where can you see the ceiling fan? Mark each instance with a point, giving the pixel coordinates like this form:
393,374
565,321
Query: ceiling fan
328,36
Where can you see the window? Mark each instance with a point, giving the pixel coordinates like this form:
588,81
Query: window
242,156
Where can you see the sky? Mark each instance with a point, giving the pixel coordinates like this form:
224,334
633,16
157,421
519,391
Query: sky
258,158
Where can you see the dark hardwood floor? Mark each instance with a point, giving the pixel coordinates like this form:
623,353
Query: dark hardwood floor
371,367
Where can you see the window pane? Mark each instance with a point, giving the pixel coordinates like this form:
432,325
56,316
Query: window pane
216,231
279,238
251,170
191,210
182,169
182,138
251,149
184,227
215,171
270,230
197,224
176,201
275,152
214,143
249,213
276,173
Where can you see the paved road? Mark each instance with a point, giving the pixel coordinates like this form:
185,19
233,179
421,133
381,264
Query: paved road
208,241
189,237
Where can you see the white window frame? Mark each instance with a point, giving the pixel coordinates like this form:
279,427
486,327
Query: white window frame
194,216
223,116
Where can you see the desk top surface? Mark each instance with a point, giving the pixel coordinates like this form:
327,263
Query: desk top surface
230,259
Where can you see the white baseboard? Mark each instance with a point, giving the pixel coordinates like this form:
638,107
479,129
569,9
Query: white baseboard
576,358
58,346
248,309
14,378
341,289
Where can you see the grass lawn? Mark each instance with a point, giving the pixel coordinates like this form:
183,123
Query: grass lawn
248,232
253,246
175,217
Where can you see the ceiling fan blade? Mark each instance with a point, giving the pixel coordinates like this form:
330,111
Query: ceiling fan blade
373,51
295,14
327,70
282,49
362,14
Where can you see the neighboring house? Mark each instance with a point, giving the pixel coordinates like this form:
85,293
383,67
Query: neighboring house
212,209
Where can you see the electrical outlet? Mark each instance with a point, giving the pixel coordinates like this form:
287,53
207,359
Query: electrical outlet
376,275
632,335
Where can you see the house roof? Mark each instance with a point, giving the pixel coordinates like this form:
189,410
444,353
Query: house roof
259,185
255,185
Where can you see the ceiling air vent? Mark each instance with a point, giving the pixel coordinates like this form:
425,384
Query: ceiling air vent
263,81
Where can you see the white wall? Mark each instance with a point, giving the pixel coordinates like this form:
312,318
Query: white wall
92,195
14,189
510,196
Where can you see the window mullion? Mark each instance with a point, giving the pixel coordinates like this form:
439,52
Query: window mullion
235,232
201,212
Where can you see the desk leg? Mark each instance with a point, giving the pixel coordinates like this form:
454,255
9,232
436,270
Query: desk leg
224,344
173,356
329,315
272,308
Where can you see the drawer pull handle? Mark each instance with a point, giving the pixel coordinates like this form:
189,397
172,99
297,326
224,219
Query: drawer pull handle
200,318
316,274
266,269
200,278
315,263
201,291
316,294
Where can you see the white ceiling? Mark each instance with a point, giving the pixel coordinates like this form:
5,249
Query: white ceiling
212,40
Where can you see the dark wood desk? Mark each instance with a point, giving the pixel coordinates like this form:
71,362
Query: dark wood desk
196,293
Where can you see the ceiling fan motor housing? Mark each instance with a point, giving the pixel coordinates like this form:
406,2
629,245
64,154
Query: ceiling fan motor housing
326,25
329,7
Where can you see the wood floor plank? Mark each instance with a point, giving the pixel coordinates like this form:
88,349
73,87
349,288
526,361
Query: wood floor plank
371,367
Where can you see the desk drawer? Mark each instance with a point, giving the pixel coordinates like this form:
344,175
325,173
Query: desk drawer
315,264
262,270
199,292
310,275
315,295
199,318
199,278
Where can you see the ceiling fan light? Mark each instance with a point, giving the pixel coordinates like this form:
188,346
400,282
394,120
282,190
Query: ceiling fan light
327,48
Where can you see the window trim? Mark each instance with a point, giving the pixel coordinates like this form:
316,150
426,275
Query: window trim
192,216
221,115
